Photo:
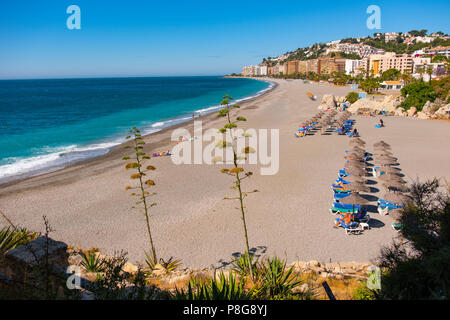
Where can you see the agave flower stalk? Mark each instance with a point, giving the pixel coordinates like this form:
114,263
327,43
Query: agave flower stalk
138,158
237,172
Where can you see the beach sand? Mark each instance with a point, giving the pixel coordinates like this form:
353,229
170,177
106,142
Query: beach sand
87,204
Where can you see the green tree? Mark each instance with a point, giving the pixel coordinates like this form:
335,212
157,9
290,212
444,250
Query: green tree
419,269
370,84
352,97
391,74
417,94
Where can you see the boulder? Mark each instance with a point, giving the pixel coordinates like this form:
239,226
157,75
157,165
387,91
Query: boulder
399,112
328,102
130,268
443,112
412,111
75,259
313,264
422,115
427,108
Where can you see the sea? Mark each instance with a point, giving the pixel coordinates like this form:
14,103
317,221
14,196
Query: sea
48,124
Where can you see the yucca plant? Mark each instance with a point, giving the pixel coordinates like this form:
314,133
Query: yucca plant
275,280
236,172
92,262
137,163
223,288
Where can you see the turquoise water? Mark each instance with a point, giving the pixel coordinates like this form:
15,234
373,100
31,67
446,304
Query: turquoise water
47,124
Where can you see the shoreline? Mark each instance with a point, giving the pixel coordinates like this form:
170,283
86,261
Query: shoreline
111,150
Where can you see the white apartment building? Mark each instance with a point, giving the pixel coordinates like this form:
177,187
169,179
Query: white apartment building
420,63
251,71
362,50
441,51
354,67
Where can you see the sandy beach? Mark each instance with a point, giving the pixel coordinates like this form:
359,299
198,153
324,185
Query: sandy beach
87,204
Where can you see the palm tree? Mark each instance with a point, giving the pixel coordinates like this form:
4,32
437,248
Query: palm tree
406,77
430,73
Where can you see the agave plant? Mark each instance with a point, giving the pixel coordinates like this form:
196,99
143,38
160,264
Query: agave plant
275,280
11,238
221,288
168,266
242,264
92,262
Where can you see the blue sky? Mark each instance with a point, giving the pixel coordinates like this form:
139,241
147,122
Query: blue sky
151,38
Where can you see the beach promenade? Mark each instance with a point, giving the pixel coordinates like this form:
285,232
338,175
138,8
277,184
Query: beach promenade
87,204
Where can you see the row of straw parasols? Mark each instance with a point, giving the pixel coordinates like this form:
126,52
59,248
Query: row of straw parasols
342,118
391,181
356,166
327,120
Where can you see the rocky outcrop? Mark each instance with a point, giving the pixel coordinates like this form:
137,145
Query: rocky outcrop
387,104
336,270
442,113
390,104
412,111
328,102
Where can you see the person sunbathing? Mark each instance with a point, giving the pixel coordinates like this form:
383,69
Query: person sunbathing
355,133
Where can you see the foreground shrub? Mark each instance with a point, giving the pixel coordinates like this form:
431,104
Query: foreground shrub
276,281
115,284
364,293
91,261
218,288
11,238
419,268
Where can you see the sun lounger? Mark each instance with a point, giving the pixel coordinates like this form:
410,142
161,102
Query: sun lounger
344,208
342,181
350,228
396,226
343,173
340,195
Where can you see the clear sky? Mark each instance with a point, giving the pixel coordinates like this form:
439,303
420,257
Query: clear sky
150,38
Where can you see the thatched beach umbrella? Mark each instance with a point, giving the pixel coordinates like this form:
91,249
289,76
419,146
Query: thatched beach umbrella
382,144
396,197
385,162
391,170
357,140
356,171
382,152
353,178
396,214
354,198
394,185
358,147
354,163
357,187
385,157
388,177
